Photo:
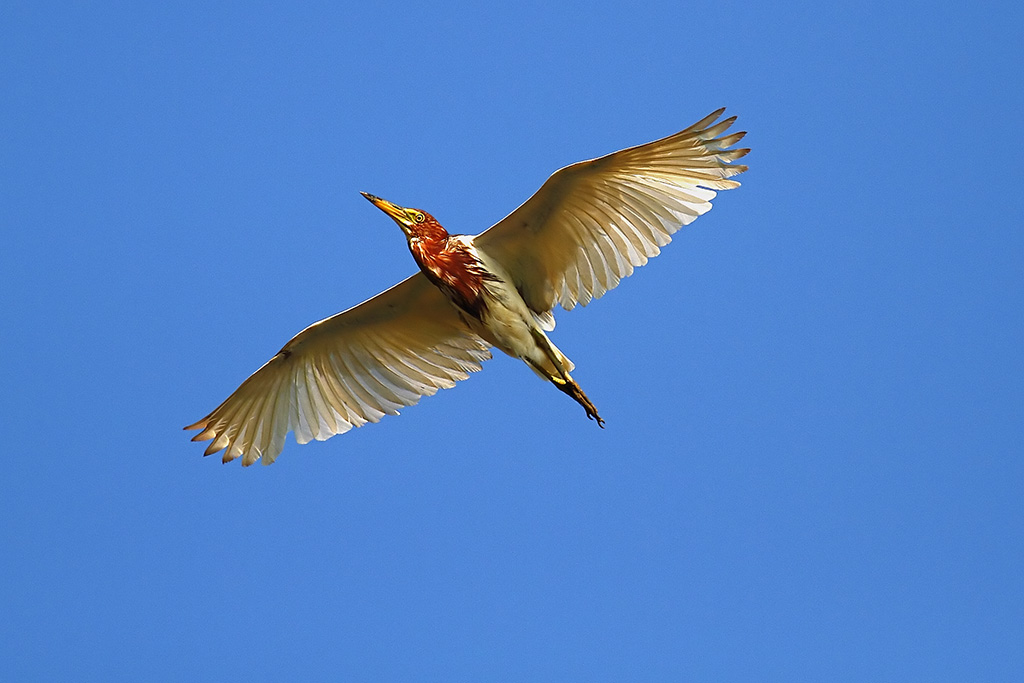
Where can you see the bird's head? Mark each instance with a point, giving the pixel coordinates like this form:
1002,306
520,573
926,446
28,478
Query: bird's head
415,223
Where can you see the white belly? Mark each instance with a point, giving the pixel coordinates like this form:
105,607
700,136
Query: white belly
510,325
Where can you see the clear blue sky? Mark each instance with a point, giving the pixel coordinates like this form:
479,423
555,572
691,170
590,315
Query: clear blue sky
813,463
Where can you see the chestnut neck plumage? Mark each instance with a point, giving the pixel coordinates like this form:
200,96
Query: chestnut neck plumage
450,265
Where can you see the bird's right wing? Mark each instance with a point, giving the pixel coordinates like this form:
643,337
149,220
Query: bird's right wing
347,370
593,222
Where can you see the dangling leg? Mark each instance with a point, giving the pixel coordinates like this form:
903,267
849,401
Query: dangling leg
544,343
568,386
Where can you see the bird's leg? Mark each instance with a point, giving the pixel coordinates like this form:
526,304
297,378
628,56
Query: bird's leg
563,381
545,345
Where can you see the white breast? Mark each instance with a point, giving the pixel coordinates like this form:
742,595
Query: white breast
508,322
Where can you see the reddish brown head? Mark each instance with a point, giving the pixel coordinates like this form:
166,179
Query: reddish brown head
415,223
448,263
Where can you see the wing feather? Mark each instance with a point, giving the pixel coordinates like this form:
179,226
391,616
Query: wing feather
347,370
593,222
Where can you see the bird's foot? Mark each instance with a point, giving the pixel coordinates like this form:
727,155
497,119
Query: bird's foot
569,387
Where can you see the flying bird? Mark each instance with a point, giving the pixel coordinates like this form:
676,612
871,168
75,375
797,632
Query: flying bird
587,227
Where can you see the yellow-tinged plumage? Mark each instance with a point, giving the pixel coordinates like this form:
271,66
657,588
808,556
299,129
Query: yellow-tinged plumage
350,369
592,222
587,227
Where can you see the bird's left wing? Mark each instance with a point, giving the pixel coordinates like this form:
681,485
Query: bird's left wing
347,370
591,223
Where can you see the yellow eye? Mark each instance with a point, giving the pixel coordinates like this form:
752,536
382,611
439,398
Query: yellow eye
420,218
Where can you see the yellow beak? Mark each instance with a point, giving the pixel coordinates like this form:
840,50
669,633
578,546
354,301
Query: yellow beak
399,214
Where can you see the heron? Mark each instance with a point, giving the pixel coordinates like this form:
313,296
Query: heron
588,226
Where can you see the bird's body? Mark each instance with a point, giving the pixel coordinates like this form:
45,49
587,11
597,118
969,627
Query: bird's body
498,313
585,229
489,303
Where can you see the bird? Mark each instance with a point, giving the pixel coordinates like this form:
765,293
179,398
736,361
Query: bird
589,225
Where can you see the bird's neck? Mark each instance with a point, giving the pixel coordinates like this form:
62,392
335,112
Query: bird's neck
455,270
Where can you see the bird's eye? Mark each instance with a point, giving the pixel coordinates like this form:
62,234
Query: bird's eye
420,218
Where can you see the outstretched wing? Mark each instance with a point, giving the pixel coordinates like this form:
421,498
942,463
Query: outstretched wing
591,223
350,369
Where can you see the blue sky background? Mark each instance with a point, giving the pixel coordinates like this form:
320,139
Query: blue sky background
815,397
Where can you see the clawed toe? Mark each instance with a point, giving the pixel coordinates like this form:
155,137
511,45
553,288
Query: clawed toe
569,387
